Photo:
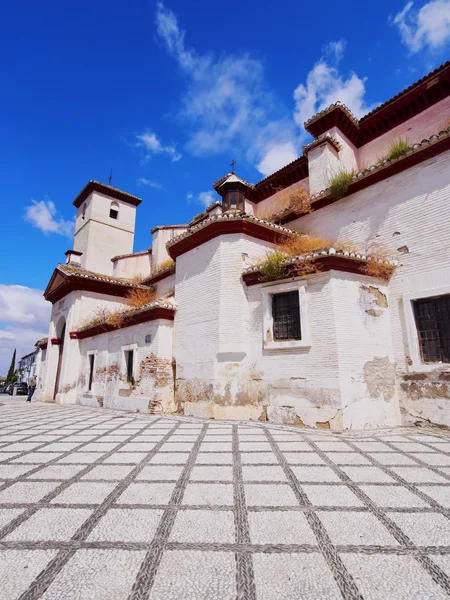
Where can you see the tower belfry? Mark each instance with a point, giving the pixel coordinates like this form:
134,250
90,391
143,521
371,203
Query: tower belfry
104,226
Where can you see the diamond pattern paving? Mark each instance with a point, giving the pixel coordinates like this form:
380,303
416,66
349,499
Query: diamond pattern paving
96,505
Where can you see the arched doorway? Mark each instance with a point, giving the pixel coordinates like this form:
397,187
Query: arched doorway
60,356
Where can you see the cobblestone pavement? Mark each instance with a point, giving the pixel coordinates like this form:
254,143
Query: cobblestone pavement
98,505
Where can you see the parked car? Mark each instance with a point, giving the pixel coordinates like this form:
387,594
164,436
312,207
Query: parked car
3,389
21,387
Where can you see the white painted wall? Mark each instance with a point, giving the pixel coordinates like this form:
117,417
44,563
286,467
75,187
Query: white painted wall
408,214
99,237
133,266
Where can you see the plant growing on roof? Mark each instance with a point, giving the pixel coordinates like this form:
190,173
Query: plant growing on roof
397,149
200,215
139,297
339,184
273,266
166,264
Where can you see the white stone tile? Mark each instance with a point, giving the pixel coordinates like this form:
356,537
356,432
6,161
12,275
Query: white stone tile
331,495
367,474
147,493
294,577
203,526
315,474
80,458
215,447
96,575
373,446
27,492
355,528
211,458
255,446
132,458
59,447
263,473
110,472
37,458
210,494
334,446
303,458
424,529
294,446
61,472
393,496
19,568
212,473
419,475
392,458
50,524
8,514
177,446
412,447
258,494
348,458
440,494
438,460
127,525
390,577
170,458
194,575
255,458
282,527
84,492
143,446
161,472
14,470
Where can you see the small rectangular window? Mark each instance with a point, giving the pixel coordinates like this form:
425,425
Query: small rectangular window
432,317
148,338
129,357
91,371
286,316
113,213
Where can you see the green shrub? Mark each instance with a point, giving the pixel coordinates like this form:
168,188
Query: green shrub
397,149
273,266
199,216
340,183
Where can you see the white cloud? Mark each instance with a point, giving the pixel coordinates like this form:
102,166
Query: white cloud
227,104
429,26
24,318
277,157
326,85
152,145
203,198
149,183
43,215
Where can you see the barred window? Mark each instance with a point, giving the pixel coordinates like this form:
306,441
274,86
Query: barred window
432,317
286,316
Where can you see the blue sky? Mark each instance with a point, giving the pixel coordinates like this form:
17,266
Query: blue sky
167,95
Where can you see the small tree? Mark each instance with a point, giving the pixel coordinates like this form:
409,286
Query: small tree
10,376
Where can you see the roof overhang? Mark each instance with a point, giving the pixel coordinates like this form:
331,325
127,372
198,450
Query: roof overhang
61,284
107,190
214,228
151,314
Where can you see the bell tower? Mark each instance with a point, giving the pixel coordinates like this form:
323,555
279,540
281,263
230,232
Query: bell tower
104,226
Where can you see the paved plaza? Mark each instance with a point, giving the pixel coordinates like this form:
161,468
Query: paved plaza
100,505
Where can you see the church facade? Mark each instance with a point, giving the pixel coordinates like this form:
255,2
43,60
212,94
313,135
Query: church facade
317,296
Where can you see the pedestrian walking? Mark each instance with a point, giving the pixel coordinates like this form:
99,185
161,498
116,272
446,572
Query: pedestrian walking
31,387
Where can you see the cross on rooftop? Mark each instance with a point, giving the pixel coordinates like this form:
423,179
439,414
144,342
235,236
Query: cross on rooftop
233,162
110,178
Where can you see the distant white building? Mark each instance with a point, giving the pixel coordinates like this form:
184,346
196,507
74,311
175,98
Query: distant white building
353,331
26,367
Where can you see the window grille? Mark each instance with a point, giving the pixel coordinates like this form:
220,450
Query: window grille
432,317
286,316
91,371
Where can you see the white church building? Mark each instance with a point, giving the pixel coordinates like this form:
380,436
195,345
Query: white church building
318,296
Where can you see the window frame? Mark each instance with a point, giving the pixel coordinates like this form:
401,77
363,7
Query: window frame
416,363
271,289
93,353
124,367
239,201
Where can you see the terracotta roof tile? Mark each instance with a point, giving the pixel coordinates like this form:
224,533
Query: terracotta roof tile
74,271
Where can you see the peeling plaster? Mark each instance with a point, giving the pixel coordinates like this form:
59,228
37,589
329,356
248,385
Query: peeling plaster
379,376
